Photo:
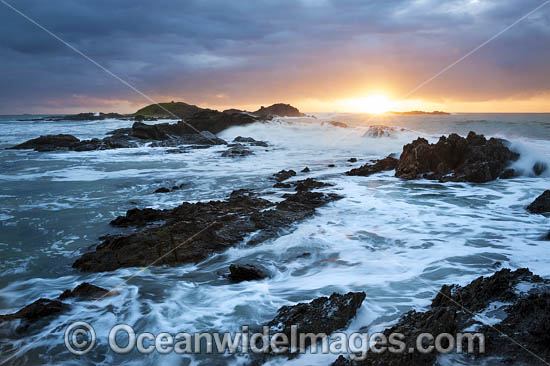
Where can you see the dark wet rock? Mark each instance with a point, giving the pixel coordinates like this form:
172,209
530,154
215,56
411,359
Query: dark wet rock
237,151
85,291
35,312
539,167
140,217
284,175
49,143
341,361
281,185
279,109
541,204
215,121
331,165
527,319
141,118
305,170
322,315
245,272
508,174
192,232
162,190
388,163
310,183
250,141
352,160
455,159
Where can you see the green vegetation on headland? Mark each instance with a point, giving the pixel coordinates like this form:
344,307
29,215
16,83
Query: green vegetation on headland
168,110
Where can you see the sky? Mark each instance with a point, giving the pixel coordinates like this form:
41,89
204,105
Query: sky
318,55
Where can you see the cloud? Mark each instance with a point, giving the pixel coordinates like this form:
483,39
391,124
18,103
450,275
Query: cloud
264,51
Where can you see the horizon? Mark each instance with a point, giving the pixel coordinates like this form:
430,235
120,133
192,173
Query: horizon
478,56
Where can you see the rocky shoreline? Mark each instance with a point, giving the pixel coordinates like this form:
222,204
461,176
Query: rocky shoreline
193,232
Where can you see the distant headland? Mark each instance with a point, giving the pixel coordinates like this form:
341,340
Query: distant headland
419,112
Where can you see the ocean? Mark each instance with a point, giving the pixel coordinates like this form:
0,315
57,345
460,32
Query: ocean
399,241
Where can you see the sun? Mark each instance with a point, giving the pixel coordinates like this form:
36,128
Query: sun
373,104
376,104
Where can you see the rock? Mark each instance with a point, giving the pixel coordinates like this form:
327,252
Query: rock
284,175
447,315
541,204
281,185
310,183
162,134
539,167
352,160
140,217
338,124
305,170
331,165
162,190
455,159
388,163
85,291
507,174
279,109
250,141
233,111
215,122
237,151
245,272
35,312
322,315
192,232
380,131
49,143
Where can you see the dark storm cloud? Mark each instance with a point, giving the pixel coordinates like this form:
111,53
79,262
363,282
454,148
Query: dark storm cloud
254,51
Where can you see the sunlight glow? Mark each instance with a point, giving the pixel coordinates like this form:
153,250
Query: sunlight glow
375,104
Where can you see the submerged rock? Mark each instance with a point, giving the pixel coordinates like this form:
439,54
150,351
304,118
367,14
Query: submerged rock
245,272
388,163
85,291
310,183
284,175
192,232
455,159
250,141
35,312
305,170
237,150
541,204
380,131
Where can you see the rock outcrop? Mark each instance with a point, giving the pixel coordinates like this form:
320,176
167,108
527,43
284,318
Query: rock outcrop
376,166
36,312
85,291
525,317
245,272
192,232
541,204
323,315
280,110
455,159
284,175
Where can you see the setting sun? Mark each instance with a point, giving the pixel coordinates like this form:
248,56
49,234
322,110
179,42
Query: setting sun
375,104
